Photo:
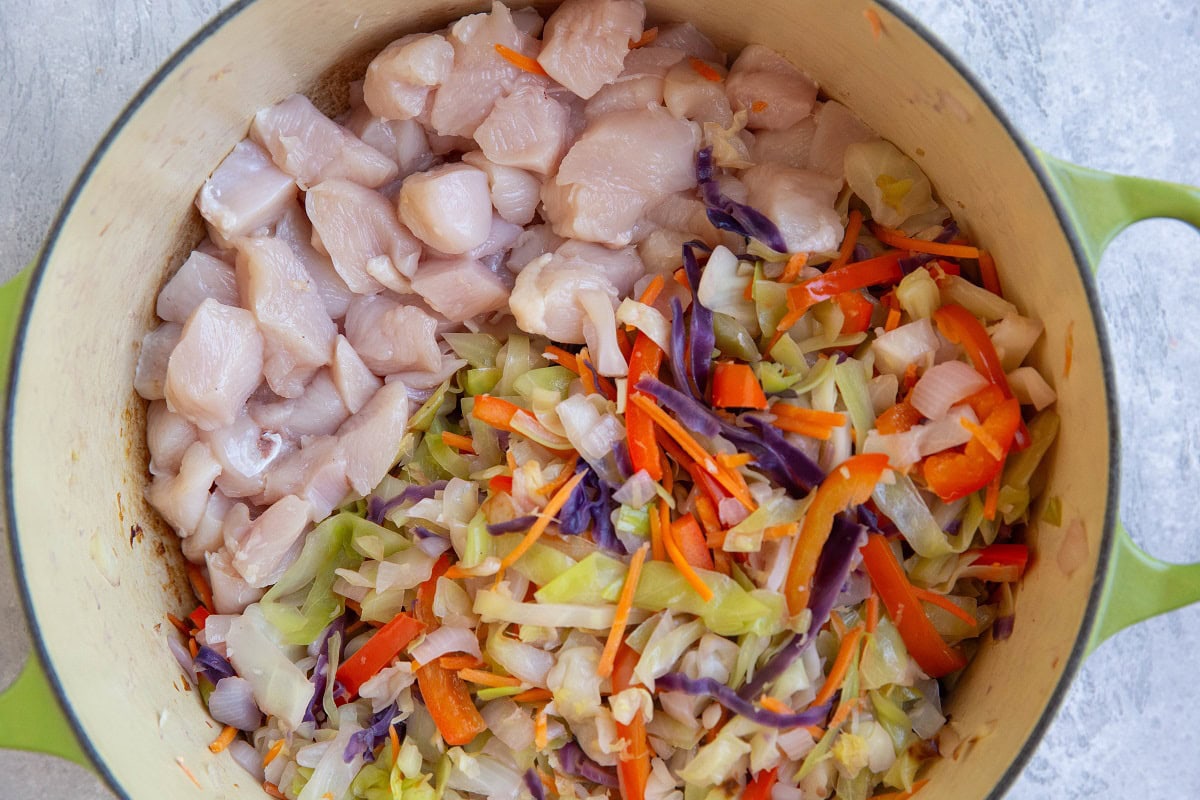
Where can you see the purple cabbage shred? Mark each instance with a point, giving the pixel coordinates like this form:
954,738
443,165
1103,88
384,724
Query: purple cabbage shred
703,334
534,784
378,508
212,665
424,533
573,762
363,742
512,525
320,673
949,232
591,505
1002,628
728,215
711,687
861,253
679,361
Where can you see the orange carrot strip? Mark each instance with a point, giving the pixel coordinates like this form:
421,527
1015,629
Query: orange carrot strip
200,586
704,70
984,438
847,652
520,60
564,359
616,634
944,603
496,412
653,290
533,696
873,20
849,240
893,319
567,471
991,498
734,461
541,726
872,612
273,791
224,740
774,704
657,551
394,738
193,648
664,525
734,385
821,432
843,711
648,36
784,531
791,272
273,753
685,569
895,238
759,106
833,419
838,624
179,625
456,662
988,274
458,442
487,678
543,521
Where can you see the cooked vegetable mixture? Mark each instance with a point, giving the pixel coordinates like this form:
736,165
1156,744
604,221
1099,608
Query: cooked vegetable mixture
584,415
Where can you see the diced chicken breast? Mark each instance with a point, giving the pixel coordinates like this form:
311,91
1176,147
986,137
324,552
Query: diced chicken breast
317,412
526,129
626,95
767,85
245,193
684,36
262,555
295,229
297,332
312,148
181,498
390,337
199,277
837,128
316,473
800,203
460,288
168,436
501,237
621,266
685,212
515,192
403,141
351,376
399,79
448,208
231,593
534,241
688,94
652,61
421,383
480,75
788,146
595,214
150,377
359,230
585,42
545,299
215,367
207,538
528,21
371,438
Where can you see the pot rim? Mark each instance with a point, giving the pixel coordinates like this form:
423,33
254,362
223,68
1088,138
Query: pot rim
1082,264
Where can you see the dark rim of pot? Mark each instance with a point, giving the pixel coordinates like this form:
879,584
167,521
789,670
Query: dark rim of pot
1065,223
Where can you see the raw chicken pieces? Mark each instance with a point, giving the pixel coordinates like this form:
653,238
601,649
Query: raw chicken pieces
586,42
216,365
358,228
245,193
448,208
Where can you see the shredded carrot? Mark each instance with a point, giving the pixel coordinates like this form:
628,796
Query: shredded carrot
895,238
944,603
791,272
273,753
722,563
543,521
843,712
680,277
774,704
554,485
832,419
200,586
541,726
458,442
838,624
664,525
520,60
457,572
785,531
734,461
653,290
849,240
616,633
1070,349
984,438
193,648
594,383
657,551
704,70
847,652
273,790
706,513
872,612
179,625
191,776
822,432
533,696
223,741
395,740
685,569
988,274
487,678
734,385
991,498
648,36
759,106
910,377
496,412
893,320
456,662
564,359
873,20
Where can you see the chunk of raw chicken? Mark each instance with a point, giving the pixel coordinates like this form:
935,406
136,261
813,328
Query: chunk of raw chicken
297,332
245,193
480,75
837,127
371,438
207,538
689,94
199,277
262,554
800,203
390,337
351,376
788,146
621,266
515,192
528,21
317,412
231,593
245,451
640,84
312,148
767,85
683,36
460,288
316,473
215,367
448,208
534,241
399,79
181,498
295,229
501,237
684,212
402,140
526,129
168,436
421,383
150,377
585,42
359,230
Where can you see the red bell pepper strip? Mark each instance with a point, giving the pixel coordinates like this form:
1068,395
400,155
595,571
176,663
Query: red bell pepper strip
847,485
644,362
859,275
633,764
692,542
955,475
384,645
445,694
857,311
932,654
1000,563
199,617
760,787
898,419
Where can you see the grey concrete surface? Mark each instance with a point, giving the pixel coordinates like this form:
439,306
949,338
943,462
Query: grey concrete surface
1095,81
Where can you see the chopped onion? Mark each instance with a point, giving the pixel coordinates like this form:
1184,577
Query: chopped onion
1030,388
903,505
646,319
947,432
247,758
976,299
1013,338
446,640
926,720
182,656
433,546
731,512
232,703
943,385
637,491
216,628
913,343
509,723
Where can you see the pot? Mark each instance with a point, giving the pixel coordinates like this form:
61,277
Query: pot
99,570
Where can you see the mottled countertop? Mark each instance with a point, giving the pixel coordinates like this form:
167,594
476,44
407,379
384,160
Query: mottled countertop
1094,81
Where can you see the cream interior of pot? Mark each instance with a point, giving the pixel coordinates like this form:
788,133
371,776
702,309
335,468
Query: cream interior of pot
103,570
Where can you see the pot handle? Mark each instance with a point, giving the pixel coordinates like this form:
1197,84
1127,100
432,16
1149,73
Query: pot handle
12,295
1101,205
